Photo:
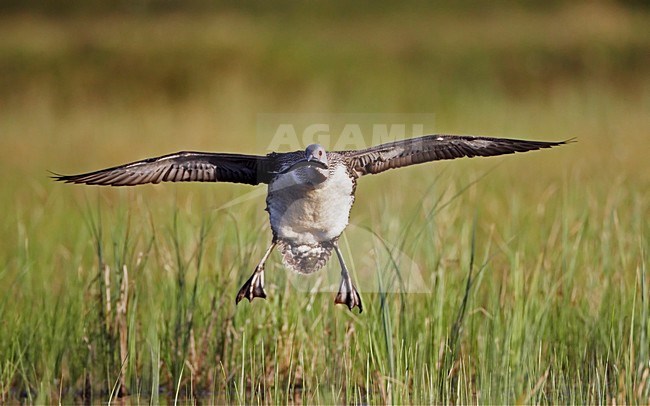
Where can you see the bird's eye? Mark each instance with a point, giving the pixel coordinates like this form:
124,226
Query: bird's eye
320,153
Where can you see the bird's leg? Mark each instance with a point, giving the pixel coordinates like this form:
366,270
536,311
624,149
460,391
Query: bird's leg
348,294
254,286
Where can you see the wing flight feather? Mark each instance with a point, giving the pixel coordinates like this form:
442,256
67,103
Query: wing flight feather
429,148
183,166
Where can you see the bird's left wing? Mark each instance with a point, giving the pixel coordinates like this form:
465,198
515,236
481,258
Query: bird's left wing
435,147
183,166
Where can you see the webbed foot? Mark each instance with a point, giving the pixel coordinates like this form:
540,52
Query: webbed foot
254,287
348,295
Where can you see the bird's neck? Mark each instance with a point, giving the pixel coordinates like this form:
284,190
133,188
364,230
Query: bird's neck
310,176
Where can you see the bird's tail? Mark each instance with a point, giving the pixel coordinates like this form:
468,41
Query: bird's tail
305,258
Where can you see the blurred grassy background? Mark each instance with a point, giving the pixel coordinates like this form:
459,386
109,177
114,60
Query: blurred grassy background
93,84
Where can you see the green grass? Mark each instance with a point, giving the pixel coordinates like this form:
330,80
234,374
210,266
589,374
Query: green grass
536,265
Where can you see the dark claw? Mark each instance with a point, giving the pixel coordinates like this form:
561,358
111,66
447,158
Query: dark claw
348,296
254,287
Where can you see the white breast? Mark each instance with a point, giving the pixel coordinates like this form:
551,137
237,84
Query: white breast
309,214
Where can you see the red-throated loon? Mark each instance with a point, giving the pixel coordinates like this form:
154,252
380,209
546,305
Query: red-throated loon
310,192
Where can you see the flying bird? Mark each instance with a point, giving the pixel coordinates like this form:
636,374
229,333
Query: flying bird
310,192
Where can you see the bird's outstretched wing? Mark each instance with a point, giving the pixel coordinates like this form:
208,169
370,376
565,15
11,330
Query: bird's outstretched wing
435,147
182,167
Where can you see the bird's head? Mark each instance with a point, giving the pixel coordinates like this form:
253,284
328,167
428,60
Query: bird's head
312,169
316,153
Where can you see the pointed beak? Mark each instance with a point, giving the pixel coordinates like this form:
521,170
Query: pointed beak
303,163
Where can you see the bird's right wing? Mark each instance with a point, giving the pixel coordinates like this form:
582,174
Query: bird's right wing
433,148
182,167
